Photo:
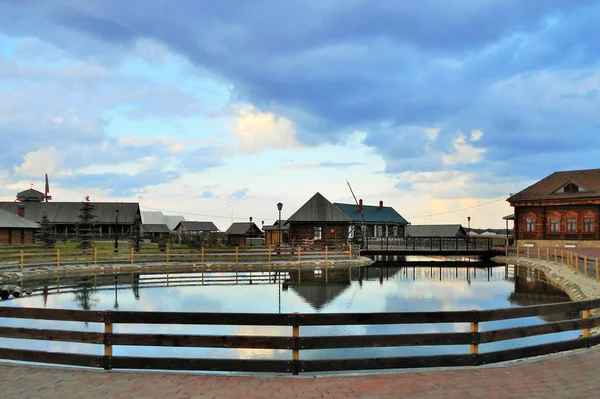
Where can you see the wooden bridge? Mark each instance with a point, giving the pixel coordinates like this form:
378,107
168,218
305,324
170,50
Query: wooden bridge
483,247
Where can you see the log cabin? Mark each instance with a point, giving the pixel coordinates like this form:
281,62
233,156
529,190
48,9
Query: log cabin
560,210
16,230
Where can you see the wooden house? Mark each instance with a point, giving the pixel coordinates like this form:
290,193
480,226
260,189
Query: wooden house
188,227
244,233
64,216
319,221
272,233
16,230
373,220
436,230
155,231
560,210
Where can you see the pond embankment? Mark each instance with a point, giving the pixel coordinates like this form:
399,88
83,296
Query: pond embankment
13,276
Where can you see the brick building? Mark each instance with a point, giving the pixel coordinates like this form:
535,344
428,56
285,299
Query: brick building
561,209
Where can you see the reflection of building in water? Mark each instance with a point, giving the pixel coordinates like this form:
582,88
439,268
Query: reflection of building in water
532,288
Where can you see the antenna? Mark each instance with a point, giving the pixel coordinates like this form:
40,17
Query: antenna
362,213
47,195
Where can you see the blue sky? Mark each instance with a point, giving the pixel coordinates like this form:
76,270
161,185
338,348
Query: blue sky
440,109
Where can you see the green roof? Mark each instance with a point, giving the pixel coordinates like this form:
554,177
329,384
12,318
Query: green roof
373,214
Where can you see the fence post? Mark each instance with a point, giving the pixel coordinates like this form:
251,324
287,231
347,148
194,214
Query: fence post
296,343
237,249
95,256
586,330
57,257
202,254
576,263
108,329
326,254
350,251
547,254
528,251
326,277
168,253
269,254
539,253
585,265
132,256
475,332
22,261
597,270
555,256
299,250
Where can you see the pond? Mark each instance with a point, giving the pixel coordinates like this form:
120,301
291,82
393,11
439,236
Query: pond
382,287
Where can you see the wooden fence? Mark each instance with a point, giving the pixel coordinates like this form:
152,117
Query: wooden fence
23,259
295,343
581,264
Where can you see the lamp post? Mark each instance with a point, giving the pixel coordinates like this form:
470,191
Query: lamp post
279,208
116,230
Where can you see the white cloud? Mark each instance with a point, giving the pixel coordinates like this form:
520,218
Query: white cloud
432,133
476,135
255,130
463,152
36,163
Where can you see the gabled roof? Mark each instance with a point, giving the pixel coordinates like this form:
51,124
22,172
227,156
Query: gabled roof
436,230
197,226
588,182
373,213
319,295
13,221
319,209
155,228
243,228
157,217
68,212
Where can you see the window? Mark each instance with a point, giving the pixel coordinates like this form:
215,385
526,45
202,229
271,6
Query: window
529,225
395,230
318,233
571,225
588,225
554,226
571,188
379,231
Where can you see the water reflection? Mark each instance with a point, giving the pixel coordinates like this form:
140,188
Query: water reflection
383,287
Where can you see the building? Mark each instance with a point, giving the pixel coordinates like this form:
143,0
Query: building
379,220
560,210
157,217
272,233
320,222
64,216
155,231
188,227
244,233
15,230
436,230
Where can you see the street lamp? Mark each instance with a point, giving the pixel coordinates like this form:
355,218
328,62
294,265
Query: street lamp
279,208
116,230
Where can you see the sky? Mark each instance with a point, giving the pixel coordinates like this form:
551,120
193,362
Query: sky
219,110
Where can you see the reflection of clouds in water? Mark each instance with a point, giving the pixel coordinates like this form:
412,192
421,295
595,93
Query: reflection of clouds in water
393,294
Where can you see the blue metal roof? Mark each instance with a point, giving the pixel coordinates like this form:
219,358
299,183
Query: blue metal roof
373,213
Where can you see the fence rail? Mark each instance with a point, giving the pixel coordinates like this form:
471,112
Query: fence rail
34,258
579,263
295,343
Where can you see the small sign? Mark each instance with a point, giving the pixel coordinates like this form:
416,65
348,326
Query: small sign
570,245
528,244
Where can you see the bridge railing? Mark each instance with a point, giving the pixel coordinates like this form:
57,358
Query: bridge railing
433,243
294,343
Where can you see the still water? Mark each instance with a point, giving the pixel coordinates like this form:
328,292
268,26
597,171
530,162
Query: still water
382,287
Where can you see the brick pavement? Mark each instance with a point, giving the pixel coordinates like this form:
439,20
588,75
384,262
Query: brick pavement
568,375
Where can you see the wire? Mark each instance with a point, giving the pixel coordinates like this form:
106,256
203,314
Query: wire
457,210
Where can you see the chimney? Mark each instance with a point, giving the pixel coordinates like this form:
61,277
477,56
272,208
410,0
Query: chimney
380,205
250,219
360,205
21,210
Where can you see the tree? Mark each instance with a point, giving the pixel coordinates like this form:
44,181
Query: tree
46,235
134,239
85,225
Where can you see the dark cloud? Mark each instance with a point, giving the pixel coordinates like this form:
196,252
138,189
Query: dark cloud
525,73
